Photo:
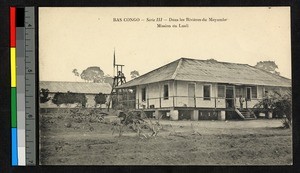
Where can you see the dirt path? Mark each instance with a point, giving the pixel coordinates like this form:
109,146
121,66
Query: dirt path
217,143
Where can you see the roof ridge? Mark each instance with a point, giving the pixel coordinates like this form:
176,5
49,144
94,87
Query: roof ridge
154,70
176,70
65,81
214,59
101,83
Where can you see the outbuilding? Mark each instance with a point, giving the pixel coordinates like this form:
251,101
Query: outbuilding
89,89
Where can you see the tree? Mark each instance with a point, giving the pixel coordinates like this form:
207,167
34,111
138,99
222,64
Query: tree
44,93
212,60
134,74
108,79
92,74
269,66
75,71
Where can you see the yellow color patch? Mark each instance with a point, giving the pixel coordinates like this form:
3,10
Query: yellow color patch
13,67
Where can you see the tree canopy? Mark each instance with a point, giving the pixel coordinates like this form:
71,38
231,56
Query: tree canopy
269,66
134,74
75,72
212,60
92,74
108,79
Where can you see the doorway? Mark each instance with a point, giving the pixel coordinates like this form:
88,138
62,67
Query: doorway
230,97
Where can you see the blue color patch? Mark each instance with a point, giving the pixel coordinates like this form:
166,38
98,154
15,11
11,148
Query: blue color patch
14,143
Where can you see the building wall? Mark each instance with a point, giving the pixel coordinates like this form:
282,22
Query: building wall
182,90
179,89
154,95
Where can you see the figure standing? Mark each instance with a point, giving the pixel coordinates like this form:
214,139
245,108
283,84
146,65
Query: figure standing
242,100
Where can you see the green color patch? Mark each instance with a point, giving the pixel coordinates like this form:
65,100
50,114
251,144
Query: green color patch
13,107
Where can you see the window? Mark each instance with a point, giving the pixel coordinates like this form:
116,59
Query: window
206,92
239,92
166,92
221,91
248,93
143,94
254,91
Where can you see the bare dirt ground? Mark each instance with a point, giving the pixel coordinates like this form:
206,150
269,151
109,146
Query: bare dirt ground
65,141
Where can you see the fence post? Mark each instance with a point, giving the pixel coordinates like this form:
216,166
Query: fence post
138,103
215,102
195,101
117,95
147,103
159,102
173,102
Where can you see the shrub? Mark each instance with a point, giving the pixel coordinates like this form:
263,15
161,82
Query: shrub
44,93
280,104
69,98
100,98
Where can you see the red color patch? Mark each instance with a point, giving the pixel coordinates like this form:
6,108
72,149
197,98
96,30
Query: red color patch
12,26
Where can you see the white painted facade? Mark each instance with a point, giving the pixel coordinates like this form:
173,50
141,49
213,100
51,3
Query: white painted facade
178,95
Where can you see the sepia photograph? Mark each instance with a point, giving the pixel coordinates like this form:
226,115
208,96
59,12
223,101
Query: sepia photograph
165,86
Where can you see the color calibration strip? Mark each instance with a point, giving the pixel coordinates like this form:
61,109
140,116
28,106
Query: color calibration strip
22,58
13,68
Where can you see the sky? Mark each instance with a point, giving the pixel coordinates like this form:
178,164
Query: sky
80,37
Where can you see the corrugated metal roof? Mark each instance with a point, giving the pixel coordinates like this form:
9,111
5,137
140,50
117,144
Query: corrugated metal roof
76,87
186,69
